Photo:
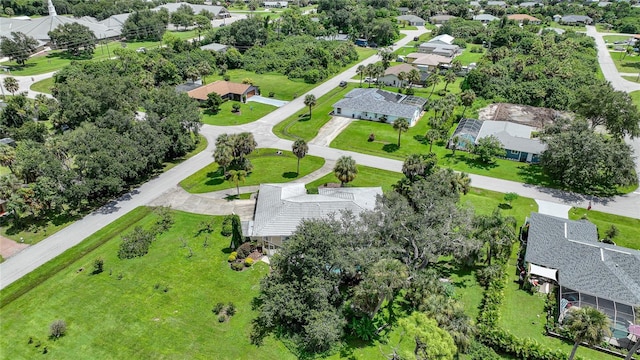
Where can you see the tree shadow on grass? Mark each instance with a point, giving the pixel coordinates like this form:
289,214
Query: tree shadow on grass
504,206
472,162
532,174
290,175
421,139
390,148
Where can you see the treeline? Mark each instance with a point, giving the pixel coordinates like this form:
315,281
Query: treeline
99,145
371,19
100,9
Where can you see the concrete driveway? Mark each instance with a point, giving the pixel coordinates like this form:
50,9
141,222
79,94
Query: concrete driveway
267,101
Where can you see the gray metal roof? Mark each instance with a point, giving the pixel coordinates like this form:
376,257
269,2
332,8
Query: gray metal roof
281,207
172,7
584,264
214,47
485,17
39,28
512,136
377,101
576,18
410,18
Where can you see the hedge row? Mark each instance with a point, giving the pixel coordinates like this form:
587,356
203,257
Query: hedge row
490,334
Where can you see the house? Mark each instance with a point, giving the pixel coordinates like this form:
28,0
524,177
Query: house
226,90
438,48
555,30
501,4
516,138
412,20
334,37
390,77
380,105
215,47
444,39
188,86
524,18
219,12
403,10
281,207
428,62
8,141
440,19
530,4
566,253
485,18
276,4
574,20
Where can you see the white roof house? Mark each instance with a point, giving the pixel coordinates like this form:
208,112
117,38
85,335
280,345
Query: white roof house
443,39
39,28
280,208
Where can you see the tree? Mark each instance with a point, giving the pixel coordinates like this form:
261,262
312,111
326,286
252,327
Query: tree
146,25
237,176
76,38
57,329
603,106
381,283
345,169
203,23
310,101
386,56
583,160
461,182
223,155
7,156
413,77
487,148
213,102
498,233
430,341
433,80
467,98
402,76
11,84
300,149
449,77
361,70
19,47
432,135
400,125
183,16
586,325
419,166
509,197
236,233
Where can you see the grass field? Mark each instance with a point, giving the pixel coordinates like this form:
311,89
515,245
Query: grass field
43,86
124,312
249,112
300,126
610,39
635,79
367,176
635,96
268,167
282,87
467,57
629,235
626,63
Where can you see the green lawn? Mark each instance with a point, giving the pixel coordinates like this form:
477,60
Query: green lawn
576,28
626,63
635,96
367,176
249,112
524,316
467,57
635,79
299,126
629,235
610,39
124,311
282,87
602,28
268,167
43,86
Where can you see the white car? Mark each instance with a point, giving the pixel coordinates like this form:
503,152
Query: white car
368,79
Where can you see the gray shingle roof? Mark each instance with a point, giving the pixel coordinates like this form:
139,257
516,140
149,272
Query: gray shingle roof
281,207
584,264
410,18
576,18
377,101
512,136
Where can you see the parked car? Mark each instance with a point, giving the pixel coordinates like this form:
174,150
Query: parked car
343,83
370,80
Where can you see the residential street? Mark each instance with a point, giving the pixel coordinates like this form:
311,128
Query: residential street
34,256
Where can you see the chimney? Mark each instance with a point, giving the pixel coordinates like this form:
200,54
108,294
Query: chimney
52,9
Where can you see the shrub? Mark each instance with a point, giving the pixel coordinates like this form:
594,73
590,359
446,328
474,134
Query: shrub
234,253
612,232
489,274
248,262
231,258
226,77
218,308
247,81
235,108
244,250
98,266
271,94
227,230
372,137
237,266
409,91
57,329
231,309
222,318
441,92
136,243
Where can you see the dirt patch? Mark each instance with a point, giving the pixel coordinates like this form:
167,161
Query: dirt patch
521,114
9,247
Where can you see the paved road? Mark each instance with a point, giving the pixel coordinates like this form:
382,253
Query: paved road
32,257
26,82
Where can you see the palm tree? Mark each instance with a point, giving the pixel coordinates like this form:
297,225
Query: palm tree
361,71
418,166
433,80
204,69
401,125
223,155
413,77
588,325
449,77
345,169
432,135
369,71
378,72
461,182
12,85
237,176
496,231
402,76
467,98
300,149
7,156
386,55
310,101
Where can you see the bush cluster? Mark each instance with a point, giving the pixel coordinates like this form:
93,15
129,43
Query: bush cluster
137,242
244,250
227,227
224,312
248,262
237,266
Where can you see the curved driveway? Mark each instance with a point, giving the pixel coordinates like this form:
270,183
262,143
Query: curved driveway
36,255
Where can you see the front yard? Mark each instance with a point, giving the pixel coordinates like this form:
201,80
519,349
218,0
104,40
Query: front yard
268,167
251,111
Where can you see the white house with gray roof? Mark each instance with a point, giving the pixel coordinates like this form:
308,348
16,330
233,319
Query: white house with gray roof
281,207
380,105
567,253
412,20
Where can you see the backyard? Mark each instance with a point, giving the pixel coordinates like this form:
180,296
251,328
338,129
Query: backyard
268,167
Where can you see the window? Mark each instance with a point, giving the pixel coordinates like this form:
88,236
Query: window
338,111
514,152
